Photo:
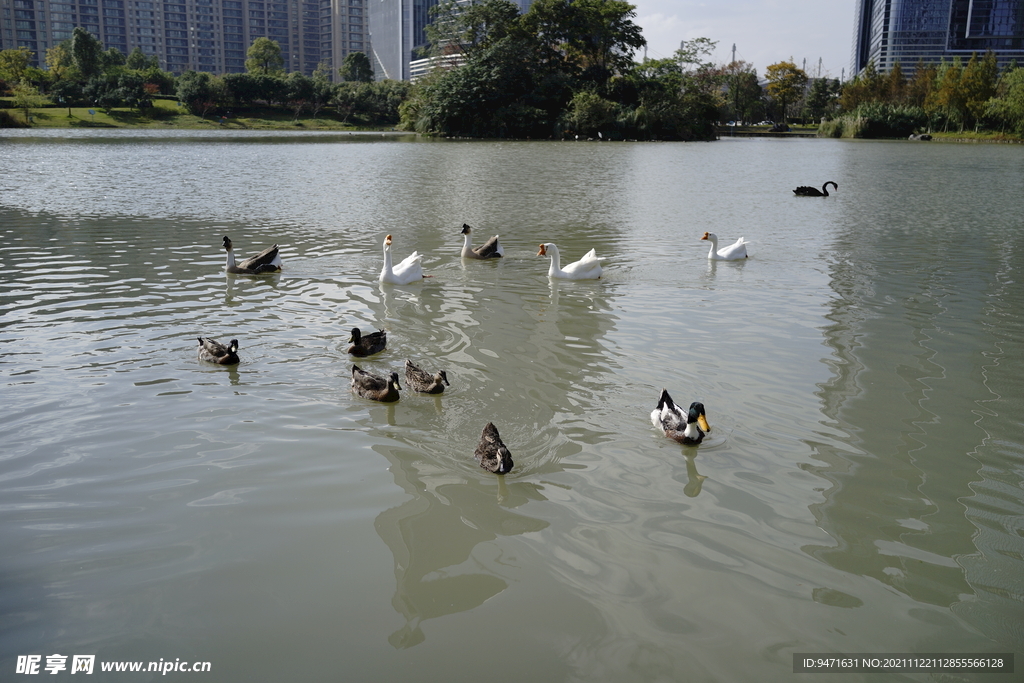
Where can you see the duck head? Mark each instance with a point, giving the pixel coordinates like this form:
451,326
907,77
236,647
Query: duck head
696,414
227,243
503,458
466,229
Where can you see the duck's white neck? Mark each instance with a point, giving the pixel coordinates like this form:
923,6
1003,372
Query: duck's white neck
692,431
387,260
231,259
556,261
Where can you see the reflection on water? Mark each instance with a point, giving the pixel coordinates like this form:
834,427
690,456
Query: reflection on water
433,534
860,490
919,462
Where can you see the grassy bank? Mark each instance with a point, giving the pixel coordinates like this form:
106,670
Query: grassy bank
167,114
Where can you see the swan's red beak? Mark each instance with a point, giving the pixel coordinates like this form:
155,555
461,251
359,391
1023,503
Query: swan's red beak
542,252
705,236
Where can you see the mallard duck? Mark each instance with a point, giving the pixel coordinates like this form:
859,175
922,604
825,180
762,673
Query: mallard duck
422,381
688,429
587,268
491,452
368,345
408,270
212,351
805,191
489,249
267,261
733,252
374,387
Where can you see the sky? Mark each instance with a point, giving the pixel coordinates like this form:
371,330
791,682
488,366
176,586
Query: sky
764,31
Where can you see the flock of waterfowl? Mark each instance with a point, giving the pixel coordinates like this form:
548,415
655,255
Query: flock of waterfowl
688,428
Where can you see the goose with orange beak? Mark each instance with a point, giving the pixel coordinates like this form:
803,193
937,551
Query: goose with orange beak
587,268
408,271
734,252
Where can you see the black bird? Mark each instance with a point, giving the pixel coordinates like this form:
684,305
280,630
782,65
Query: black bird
805,191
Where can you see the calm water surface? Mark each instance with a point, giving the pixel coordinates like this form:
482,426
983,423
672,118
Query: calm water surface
861,490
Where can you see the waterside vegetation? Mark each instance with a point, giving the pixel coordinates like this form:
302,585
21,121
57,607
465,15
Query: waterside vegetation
561,70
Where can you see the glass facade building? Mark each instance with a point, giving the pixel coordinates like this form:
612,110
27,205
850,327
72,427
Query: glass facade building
908,31
202,35
398,33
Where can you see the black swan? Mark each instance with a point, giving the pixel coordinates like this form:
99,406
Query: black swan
804,191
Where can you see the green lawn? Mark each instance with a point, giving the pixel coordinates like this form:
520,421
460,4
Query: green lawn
167,114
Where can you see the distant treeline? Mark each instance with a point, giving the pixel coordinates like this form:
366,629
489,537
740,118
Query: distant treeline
81,73
950,96
561,69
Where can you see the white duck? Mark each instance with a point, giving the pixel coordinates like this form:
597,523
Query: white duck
587,268
409,270
733,252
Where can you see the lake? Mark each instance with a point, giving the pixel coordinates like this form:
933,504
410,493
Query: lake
861,489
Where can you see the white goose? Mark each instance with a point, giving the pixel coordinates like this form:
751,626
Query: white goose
733,252
587,268
409,270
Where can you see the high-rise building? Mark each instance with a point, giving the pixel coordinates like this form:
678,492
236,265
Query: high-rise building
203,35
398,33
906,31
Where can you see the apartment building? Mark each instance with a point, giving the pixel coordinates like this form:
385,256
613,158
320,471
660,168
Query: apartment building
202,35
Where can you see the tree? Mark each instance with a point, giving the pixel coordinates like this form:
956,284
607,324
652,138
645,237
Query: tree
26,96
87,53
785,84
13,64
459,28
1008,107
597,37
102,91
199,92
979,84
744,91
947,99
356,68
589,114
67,92
133,90
920,87
322,90
140,61
264,57
492,95
821,100
112,58
60,62
892,88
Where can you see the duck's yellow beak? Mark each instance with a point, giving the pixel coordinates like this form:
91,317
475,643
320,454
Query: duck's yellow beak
702,422
542,252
